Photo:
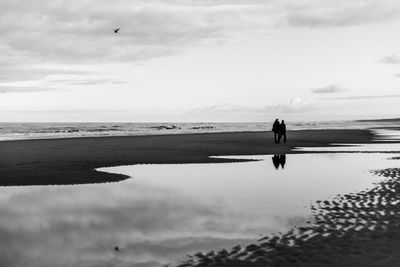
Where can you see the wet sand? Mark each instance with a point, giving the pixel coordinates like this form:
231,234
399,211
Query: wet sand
74,160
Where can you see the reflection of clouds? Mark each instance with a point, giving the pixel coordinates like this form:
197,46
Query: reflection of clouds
152,224
175,248
80,225
298,220
10,257
158,210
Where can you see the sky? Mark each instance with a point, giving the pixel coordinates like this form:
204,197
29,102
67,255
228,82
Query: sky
199,60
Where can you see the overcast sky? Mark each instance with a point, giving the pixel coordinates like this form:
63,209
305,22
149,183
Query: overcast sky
199,60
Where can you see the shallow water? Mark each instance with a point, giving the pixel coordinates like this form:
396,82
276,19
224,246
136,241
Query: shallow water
389,147
386,134
167,211
390,137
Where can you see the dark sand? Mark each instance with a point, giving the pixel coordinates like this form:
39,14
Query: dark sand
73,160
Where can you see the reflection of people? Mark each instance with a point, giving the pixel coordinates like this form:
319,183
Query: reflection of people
275,130
282,160
275,161
282,131
279,159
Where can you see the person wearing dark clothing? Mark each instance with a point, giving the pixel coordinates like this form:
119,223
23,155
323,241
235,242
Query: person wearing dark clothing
276,130
282,131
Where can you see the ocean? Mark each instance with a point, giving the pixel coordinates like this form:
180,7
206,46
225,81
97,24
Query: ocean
22,131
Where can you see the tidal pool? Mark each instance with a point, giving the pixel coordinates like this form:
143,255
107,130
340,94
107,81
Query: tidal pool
388,147
386,134
167,211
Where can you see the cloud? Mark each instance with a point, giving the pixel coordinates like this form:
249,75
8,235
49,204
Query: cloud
293,105
361,97
24,72
81,32
88,81
63,32
330,89
328,13
392,59
23,89
218,108
397,75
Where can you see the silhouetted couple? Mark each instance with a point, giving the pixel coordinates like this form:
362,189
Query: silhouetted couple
279,130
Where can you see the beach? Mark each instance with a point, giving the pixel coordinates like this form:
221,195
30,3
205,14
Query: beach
74,160
230,133
164,206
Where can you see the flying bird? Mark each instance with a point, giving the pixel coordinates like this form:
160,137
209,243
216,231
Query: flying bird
116,30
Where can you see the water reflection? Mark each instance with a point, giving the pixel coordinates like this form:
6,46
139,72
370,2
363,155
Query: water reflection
279,160
167,211
81,226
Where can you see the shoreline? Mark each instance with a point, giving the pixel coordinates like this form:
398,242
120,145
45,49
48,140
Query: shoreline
184,134
74,160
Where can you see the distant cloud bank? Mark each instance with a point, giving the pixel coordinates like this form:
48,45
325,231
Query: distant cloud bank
23,89
333,13
330,89
294,105
361,97
391,59
88,81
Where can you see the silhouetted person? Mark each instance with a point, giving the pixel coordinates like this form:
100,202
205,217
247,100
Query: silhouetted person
275,161
282,160
282,131
276,130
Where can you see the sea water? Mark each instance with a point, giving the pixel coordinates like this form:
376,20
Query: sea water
19,131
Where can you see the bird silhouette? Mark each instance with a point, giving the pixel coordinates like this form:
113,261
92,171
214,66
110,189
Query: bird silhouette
116,30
